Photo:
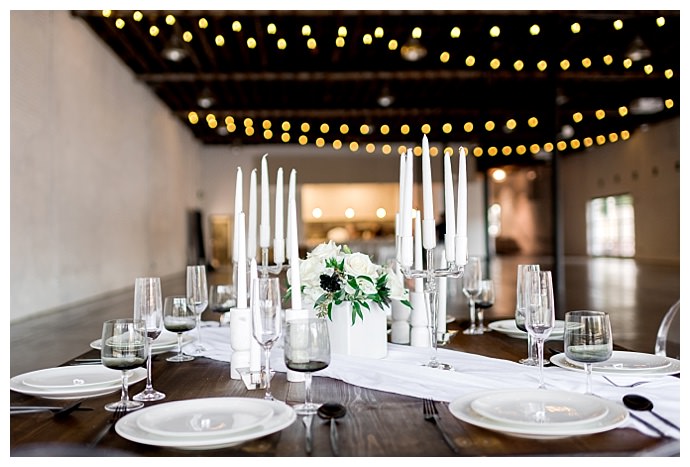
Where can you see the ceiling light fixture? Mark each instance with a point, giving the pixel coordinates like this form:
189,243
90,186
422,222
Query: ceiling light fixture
206,99
413,50
385,99
638,50
646,106
174,50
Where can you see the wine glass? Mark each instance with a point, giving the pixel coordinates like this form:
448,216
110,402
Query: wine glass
148,307
307,349
221,299
197,299
178,318
520,307
124,347
266,319
540,314
470,287
587,339
484,301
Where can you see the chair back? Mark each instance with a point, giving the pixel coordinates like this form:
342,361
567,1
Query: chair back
668,335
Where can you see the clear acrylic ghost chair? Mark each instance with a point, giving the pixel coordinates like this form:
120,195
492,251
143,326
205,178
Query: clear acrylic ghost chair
668,335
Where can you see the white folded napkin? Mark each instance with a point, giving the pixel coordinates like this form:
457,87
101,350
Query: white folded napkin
402,372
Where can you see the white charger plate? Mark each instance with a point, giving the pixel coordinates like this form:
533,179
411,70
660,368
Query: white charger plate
72,377
461,408
625,363
17,384
528,407
508,327
128,427
206,417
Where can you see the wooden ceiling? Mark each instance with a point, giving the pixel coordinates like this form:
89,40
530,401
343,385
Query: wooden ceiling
339,81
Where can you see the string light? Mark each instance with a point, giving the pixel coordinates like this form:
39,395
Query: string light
444,57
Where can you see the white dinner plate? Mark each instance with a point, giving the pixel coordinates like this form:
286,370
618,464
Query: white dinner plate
508,327
206,417
72,377
615,416
166,342
17,384
528,407
283,416
625,363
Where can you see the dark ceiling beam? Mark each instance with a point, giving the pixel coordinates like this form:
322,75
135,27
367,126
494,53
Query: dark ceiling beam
358,76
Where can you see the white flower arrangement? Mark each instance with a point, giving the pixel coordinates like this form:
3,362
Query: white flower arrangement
332,274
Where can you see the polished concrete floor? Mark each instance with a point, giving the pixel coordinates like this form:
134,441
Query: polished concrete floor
635,294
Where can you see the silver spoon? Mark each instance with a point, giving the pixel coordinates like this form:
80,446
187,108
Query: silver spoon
332,411
637,402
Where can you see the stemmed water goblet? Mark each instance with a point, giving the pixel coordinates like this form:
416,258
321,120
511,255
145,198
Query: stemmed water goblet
124,347
587,339
470,287
266,320
307,349
540,314
485,300
221,299
178,318
520,312
149,308
197,299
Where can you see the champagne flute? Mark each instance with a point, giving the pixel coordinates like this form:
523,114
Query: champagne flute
197,299
520,311
221,299
485,300
124,347
307,349
266,320
148,307
587,339
470,287
178,318
540,315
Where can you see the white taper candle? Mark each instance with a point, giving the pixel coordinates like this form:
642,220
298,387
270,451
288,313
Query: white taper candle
429,224
449,191
238,209
461,230
241,285
279,234
251,221
265,225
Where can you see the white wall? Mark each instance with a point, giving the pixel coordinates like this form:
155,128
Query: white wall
101,173
648,167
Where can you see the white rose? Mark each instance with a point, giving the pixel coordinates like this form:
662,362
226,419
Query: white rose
396,285
309,270
366,286
359,264
325,251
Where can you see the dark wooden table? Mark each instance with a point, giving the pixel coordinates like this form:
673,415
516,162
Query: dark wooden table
377,423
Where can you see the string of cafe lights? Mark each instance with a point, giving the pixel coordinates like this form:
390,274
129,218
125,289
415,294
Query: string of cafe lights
354,145
393,45
444,57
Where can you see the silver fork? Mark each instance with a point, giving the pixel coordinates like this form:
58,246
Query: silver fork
431,415
120,412
637,383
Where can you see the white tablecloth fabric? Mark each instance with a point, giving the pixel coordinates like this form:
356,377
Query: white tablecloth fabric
402,372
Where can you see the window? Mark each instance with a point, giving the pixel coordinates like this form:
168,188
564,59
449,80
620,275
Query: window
611,226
